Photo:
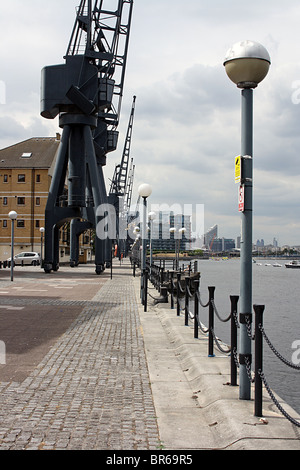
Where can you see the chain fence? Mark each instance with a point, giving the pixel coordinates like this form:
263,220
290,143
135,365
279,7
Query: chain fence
183,286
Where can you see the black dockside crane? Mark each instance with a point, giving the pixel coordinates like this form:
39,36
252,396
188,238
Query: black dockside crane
86,93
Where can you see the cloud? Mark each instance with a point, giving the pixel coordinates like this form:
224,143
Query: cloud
187,124
190,133
11,130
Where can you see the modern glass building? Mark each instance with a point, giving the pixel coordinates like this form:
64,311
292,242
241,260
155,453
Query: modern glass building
165,240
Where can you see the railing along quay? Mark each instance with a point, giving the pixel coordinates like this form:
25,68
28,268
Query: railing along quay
7,264
183,288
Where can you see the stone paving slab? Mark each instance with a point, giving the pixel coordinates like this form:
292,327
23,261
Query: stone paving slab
91,390
29,332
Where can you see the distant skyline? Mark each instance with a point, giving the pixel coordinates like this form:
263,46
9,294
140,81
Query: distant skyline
186,131
273,242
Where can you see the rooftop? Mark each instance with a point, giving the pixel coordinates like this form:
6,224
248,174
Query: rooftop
38,152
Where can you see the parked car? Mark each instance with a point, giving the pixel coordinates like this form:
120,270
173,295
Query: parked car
26,258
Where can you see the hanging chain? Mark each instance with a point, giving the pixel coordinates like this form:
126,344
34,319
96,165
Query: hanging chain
249,327
276,402
285,361
248,369
217,313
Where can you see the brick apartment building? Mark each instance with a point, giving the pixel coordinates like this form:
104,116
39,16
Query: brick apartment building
25,177
26,171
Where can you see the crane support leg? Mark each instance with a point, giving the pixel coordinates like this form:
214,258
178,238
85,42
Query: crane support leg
56,189
77,149
99,195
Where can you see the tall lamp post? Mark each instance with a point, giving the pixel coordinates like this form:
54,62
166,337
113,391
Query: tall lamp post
173,230
144,190
13,216
177,240
151,217
247,63
181,231
42,230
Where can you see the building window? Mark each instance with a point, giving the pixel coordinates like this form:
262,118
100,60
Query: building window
38,178
4,223
37,224
5,178
5,201
21,178
37,201
20,223
21,201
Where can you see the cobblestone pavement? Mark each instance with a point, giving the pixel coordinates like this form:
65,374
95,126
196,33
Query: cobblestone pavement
91,390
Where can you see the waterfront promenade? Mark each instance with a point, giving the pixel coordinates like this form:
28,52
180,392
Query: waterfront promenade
87,369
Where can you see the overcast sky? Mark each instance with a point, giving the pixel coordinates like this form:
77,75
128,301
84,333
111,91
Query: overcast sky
187,123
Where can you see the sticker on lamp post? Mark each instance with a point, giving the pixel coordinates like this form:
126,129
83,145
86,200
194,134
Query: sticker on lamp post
241,198
238,169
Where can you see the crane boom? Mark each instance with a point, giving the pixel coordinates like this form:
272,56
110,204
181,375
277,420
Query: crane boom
129,187
97,35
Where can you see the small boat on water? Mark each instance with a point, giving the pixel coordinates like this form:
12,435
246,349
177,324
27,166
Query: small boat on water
295,264
277,265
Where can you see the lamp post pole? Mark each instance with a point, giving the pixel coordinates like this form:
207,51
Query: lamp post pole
13,216
247,64
182,231
144,191
151,217
12,250
173,230
42,230
144,233
246,241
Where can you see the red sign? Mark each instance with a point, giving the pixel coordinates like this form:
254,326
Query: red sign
241,198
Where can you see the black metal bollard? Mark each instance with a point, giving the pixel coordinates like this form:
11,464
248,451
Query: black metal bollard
158,278
211,322
259,310
161,277
171,274
196,309
142,286
145,289
187,300
178,293
233,366
164,295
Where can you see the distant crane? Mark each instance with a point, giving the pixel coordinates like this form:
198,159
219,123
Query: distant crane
86,93
119,181
121,187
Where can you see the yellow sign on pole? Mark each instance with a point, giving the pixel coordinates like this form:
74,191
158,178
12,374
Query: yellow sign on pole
238,169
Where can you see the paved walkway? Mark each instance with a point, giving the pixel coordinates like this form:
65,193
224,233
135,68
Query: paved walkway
91,389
